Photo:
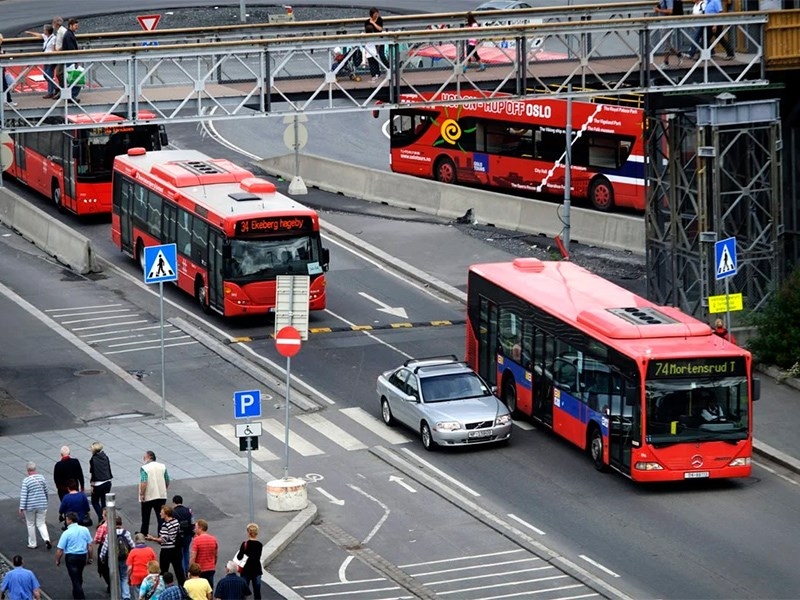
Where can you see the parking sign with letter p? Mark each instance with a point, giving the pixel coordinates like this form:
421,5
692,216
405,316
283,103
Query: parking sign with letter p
247,404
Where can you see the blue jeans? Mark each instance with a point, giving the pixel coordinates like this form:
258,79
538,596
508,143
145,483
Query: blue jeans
186,548
256,583
99,491
124,586
52,90
75,564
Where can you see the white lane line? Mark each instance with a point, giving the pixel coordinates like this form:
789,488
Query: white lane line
109,325
441,473
457,558
506,584
132,329
332,431
151,347
487,565
598,565
228,432
94,312
149,340
53,310
375,425
504,574
369,334
277,430
93,319
526,524
774,472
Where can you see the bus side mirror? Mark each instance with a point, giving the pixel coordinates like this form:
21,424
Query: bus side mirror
326,258
756,393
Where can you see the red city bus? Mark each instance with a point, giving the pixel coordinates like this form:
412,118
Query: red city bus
73,167
630,382
234,232
521,145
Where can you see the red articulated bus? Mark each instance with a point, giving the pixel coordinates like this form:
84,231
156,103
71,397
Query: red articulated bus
644,389
73,167
520,144
233,231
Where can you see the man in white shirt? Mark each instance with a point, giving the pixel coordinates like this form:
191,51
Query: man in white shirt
713,411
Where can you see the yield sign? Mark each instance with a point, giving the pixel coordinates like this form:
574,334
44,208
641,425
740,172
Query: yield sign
149,22
287,341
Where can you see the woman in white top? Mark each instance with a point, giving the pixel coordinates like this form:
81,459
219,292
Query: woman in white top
48,38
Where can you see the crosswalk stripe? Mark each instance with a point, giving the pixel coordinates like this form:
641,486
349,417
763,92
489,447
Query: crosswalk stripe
228,432
376,426
277,430
331,431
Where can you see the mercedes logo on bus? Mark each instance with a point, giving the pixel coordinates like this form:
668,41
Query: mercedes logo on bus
697,461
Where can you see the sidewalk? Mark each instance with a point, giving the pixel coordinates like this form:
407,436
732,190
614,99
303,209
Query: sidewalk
440,257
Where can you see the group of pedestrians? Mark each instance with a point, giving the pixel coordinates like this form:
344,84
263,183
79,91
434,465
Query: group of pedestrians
710,33
60,36
188,553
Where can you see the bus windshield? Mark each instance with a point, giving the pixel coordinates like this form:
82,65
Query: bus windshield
96,148
698,410
253,259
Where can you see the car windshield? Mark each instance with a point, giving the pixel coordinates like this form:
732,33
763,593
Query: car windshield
455,386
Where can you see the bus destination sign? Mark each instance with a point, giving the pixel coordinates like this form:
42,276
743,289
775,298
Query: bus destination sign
268,225
696,367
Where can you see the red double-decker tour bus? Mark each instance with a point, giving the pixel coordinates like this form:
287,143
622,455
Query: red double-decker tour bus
233,231
73,167
520,144
644,389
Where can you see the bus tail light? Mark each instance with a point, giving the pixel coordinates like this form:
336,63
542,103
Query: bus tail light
648,466
742,461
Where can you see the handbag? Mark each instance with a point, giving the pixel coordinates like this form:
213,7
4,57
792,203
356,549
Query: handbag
240,562
86,521
76,75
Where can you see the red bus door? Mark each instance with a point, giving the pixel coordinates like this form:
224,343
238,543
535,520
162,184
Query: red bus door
69,195
215,266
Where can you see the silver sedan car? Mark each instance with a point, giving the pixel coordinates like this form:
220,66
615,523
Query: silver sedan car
444,400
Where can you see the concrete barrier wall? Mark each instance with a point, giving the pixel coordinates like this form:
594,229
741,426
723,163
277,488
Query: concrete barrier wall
51,235
614,231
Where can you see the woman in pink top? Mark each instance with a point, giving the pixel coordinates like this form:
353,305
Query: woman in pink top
99,538
472,46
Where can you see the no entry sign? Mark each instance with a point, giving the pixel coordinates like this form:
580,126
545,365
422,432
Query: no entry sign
287,341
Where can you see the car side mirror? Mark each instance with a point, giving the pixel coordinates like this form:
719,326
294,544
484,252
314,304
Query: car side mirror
410,398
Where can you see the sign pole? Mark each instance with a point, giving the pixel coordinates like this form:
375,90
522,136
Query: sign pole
163,368
286,418
113,562
250,477
727,308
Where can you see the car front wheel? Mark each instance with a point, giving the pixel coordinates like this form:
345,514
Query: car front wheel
386,412
427,437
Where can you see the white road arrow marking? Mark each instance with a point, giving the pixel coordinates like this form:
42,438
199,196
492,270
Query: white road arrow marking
331,497
398,311
400,481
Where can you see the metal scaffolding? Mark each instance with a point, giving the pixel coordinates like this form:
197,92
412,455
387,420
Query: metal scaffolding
715,173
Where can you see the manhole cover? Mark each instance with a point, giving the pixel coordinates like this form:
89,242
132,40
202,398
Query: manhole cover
85,372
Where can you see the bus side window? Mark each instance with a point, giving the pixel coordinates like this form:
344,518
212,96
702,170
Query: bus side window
140,204
169,223
184,240
154,214
199,241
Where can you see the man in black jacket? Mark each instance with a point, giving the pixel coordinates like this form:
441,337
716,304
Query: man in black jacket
185,529
65,469
71,43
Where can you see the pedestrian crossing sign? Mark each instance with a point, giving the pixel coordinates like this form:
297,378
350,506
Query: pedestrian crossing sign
160,263
725,258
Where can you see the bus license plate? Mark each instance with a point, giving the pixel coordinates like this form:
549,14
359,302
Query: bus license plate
481,433
696,475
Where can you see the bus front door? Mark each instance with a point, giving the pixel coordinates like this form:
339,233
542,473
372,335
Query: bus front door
215,243
621,418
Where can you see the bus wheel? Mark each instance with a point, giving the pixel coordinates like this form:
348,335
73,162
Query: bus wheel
201,295
445,170
596,448
140,254
427,437
602,194
56,195
510,396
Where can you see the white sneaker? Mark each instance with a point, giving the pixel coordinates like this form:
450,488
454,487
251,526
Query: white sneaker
9,103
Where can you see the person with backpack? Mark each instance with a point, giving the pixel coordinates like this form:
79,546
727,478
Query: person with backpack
125,544
671,8
185,528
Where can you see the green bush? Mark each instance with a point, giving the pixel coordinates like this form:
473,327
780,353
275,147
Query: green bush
778,339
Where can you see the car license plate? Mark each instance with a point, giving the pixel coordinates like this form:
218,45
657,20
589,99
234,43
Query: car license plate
696,474
481,433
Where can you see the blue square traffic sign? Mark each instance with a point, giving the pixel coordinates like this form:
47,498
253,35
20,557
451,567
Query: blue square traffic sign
160,263
725,258
247,404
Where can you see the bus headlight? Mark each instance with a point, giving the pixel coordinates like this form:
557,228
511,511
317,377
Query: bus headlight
648,466
742,461
448,425
502,420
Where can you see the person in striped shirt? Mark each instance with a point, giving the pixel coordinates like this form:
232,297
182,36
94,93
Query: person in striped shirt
170,548
33,506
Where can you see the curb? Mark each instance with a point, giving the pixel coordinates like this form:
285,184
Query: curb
766,450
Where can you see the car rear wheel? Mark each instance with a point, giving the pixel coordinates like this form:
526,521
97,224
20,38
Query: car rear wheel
427,437
386,412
